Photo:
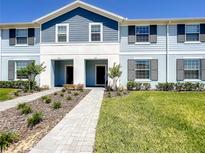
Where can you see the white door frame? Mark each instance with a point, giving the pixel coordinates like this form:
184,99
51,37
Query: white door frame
65,73
96,65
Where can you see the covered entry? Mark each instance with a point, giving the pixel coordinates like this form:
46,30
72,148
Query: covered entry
96,73
63,72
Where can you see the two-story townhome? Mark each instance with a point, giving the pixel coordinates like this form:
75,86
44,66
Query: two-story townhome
80,42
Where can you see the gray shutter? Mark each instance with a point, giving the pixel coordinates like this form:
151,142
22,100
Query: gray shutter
12,37
11,70
131,34
202,32
203,69
181,33
154,69
153,33
180,69
31,35
131,70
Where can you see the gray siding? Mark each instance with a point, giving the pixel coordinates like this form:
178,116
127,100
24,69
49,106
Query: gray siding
79,20
160,46
6,48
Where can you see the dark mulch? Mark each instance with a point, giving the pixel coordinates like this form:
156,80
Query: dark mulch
12,120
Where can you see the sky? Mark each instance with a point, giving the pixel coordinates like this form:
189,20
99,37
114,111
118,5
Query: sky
28,10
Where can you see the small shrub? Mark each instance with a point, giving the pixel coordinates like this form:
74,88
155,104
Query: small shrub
188,86
109,95
6,139
56,105
55,93
16,93
62,95
125,92
63,90
69,98
165,86
75,93
20,106
146,86
179,86
35,119
25,90
119,93
48,101
138,86
26,110
108,88
130,85
69,92
44,98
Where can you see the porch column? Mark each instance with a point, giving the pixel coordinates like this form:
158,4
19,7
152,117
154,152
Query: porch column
79,70
45,77
111,61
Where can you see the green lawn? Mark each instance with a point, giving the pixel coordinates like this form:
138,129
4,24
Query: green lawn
6,93
152,122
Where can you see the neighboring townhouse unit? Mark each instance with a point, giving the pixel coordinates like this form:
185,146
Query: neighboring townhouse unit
80,42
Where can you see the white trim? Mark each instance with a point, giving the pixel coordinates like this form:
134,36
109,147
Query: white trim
21,45
67,32
96,65
19,54
192,42
101,31
65,73
142,43
192,57
192,80
79,44
143,80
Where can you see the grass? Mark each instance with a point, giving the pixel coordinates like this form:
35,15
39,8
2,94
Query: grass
6,93
152,122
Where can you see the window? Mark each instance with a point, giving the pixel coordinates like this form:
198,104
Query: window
191,69
95,32
62,31
142,69
19,65
142,33
22,36
192,33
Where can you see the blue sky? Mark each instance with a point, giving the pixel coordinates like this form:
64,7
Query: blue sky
28,10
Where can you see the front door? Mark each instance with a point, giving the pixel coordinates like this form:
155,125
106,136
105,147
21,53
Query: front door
69,74
100,75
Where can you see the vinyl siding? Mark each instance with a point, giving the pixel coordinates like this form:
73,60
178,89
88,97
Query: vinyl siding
79,20
160,46
182,47
19,49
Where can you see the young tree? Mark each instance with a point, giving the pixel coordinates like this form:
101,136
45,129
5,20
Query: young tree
32,71
114,73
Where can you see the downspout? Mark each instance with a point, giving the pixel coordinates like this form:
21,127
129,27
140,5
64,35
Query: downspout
167,50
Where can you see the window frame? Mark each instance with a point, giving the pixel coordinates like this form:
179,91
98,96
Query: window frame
15,69
193,24
142,79
101,31
199,70
16,44
67,32
148,42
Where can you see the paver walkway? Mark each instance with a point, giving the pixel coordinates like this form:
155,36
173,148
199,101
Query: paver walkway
24,99
76,131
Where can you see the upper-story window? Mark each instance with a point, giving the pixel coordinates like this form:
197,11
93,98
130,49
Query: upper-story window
192,33
142,33
142,69
191,69
95,32
22,36
62,33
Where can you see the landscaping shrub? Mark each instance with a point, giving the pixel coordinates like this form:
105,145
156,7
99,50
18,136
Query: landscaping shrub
138,86
130,85
15,84
26,110
69,98
35,119
56,105
145,86
75,93
69,92
6,139
46,99
63,90
74,86
109,95
119,93
16,93
165,86
62,95
55,93
20,106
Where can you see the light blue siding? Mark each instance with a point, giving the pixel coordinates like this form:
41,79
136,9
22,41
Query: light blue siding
91,72
20,49
79,20
160,46
59,71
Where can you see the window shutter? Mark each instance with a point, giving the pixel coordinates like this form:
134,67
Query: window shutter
131,34
153,33
202,32
180,69
12,37
203,69
131,70
181,33
31,35
11,70
154,69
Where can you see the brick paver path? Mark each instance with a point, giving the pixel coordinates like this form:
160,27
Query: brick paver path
76,131
24,99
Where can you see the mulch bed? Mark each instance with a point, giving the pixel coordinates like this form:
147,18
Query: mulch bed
12,120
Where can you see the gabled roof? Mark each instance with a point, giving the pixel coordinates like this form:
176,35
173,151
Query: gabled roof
75,5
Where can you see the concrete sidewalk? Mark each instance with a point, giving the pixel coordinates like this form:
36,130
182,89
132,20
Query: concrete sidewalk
24,99
76,131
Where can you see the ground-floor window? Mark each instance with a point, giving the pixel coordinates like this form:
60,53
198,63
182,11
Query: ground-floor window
18,66
142,69
191,69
